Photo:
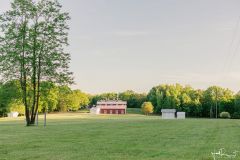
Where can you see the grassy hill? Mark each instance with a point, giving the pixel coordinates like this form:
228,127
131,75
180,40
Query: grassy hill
73,136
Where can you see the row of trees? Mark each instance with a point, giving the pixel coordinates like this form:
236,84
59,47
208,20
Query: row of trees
60,98
33,38
134,100
53,98
196,103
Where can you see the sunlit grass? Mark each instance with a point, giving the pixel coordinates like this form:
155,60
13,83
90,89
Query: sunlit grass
116,137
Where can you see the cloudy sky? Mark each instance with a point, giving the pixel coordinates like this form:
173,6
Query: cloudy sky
135,44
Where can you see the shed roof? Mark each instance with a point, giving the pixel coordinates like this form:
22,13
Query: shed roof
168,110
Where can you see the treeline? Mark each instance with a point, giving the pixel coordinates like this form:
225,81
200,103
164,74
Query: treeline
53,98
134,100
195,102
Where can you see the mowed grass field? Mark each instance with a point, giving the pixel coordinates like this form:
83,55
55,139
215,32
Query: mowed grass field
83,136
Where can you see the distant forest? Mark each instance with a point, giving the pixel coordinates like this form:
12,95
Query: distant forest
195,102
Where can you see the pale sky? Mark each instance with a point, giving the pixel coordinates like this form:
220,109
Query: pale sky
137,44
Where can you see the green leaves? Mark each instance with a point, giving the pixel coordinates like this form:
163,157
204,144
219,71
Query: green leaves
194,102
69,100
165,96
134,100
33,37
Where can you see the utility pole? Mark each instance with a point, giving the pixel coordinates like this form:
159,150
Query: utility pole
37,119
216,102
216,109
211,112
45,117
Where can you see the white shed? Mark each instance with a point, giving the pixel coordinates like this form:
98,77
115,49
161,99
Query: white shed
95,110
180,115
13,114
168,113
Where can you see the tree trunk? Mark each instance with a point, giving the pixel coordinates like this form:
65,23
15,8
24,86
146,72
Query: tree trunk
23,79
34,66
38,84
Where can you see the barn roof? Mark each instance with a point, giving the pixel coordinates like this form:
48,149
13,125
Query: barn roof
112,102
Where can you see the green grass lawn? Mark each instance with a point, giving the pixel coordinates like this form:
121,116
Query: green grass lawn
82,136
134,111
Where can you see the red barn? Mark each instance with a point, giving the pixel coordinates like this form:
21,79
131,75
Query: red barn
110,107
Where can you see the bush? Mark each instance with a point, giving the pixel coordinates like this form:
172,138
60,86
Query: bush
225,115
236,115
17,106
147,108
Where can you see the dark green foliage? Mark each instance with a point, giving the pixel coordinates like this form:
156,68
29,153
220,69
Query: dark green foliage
175,96
104,96
217,100
236,115
196,103
53,98
10,95
134,100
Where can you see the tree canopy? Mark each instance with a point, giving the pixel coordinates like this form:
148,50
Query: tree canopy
33,35
54,98
199,103
61,98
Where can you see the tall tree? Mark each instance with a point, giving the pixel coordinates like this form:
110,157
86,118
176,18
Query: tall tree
76,100
191,101
32,40
134,100
165,96
63,98
217,99
104,96
49,97
236,113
